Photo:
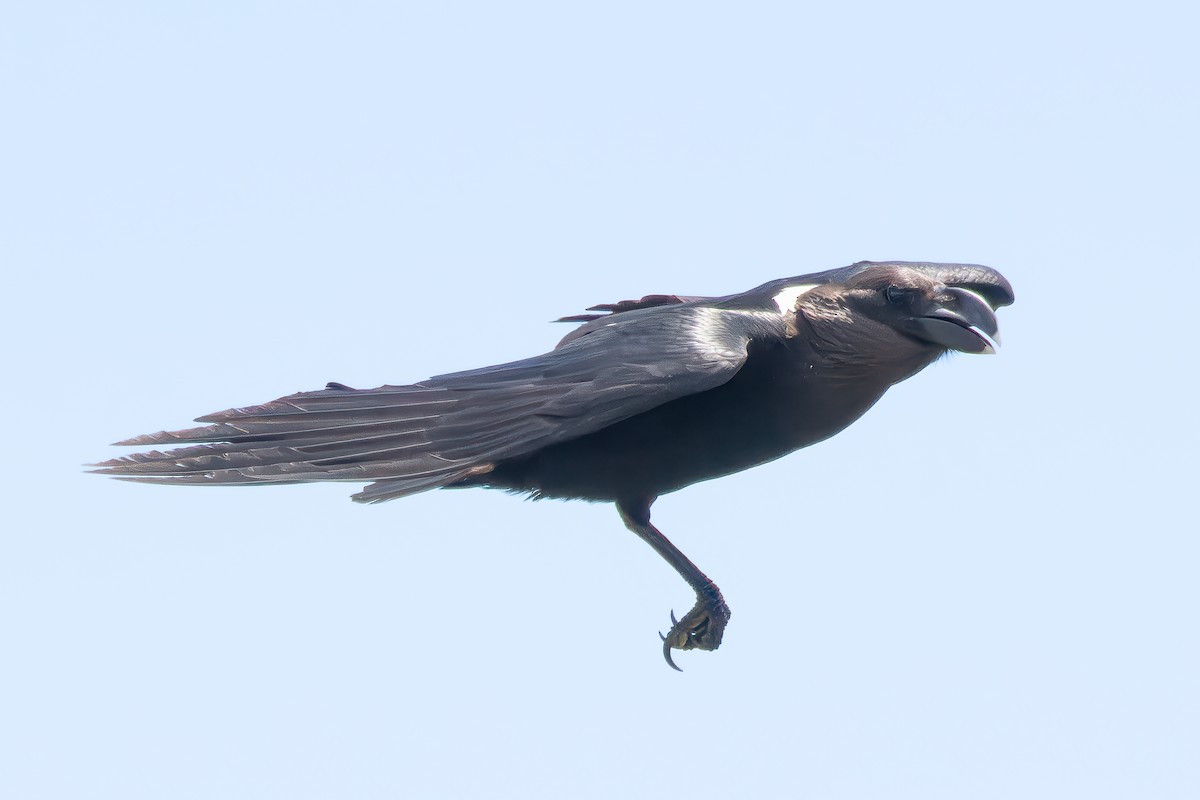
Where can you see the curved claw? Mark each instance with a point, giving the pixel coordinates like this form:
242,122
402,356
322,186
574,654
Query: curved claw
700,629
667,654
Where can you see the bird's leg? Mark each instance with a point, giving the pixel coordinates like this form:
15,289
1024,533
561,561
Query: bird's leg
702,627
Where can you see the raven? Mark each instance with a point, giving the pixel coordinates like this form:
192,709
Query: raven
646,397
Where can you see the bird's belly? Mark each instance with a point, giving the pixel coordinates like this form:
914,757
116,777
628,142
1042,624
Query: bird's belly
703,436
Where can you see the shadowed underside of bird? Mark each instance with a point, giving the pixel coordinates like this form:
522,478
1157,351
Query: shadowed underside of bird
646,397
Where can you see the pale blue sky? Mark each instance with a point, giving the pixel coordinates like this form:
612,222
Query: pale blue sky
987,588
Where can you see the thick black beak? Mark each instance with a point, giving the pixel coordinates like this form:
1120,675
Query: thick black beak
962,320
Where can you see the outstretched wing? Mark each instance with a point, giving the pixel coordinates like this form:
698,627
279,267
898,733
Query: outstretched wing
411,438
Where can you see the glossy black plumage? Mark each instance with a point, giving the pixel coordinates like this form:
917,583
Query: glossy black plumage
644,398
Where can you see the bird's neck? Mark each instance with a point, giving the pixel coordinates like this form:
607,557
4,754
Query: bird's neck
843,348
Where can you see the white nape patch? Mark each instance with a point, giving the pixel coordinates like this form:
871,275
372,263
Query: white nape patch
786,299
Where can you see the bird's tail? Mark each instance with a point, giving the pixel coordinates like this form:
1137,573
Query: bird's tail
337,434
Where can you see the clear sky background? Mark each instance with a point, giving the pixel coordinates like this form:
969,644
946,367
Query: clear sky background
986,588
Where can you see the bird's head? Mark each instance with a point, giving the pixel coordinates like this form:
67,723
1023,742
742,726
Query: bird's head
939,306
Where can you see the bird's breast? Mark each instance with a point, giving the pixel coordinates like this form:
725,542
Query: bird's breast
772,407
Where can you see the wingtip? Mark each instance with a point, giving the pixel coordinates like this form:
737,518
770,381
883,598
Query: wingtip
142,439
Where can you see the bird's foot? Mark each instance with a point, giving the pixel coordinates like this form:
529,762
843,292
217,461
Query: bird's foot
701,628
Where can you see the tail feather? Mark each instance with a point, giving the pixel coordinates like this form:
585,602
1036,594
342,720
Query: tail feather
405,438
286,474
232,455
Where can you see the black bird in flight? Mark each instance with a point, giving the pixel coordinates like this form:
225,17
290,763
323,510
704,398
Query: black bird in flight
648,396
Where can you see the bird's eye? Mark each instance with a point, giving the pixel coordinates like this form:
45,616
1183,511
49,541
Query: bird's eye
897,296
